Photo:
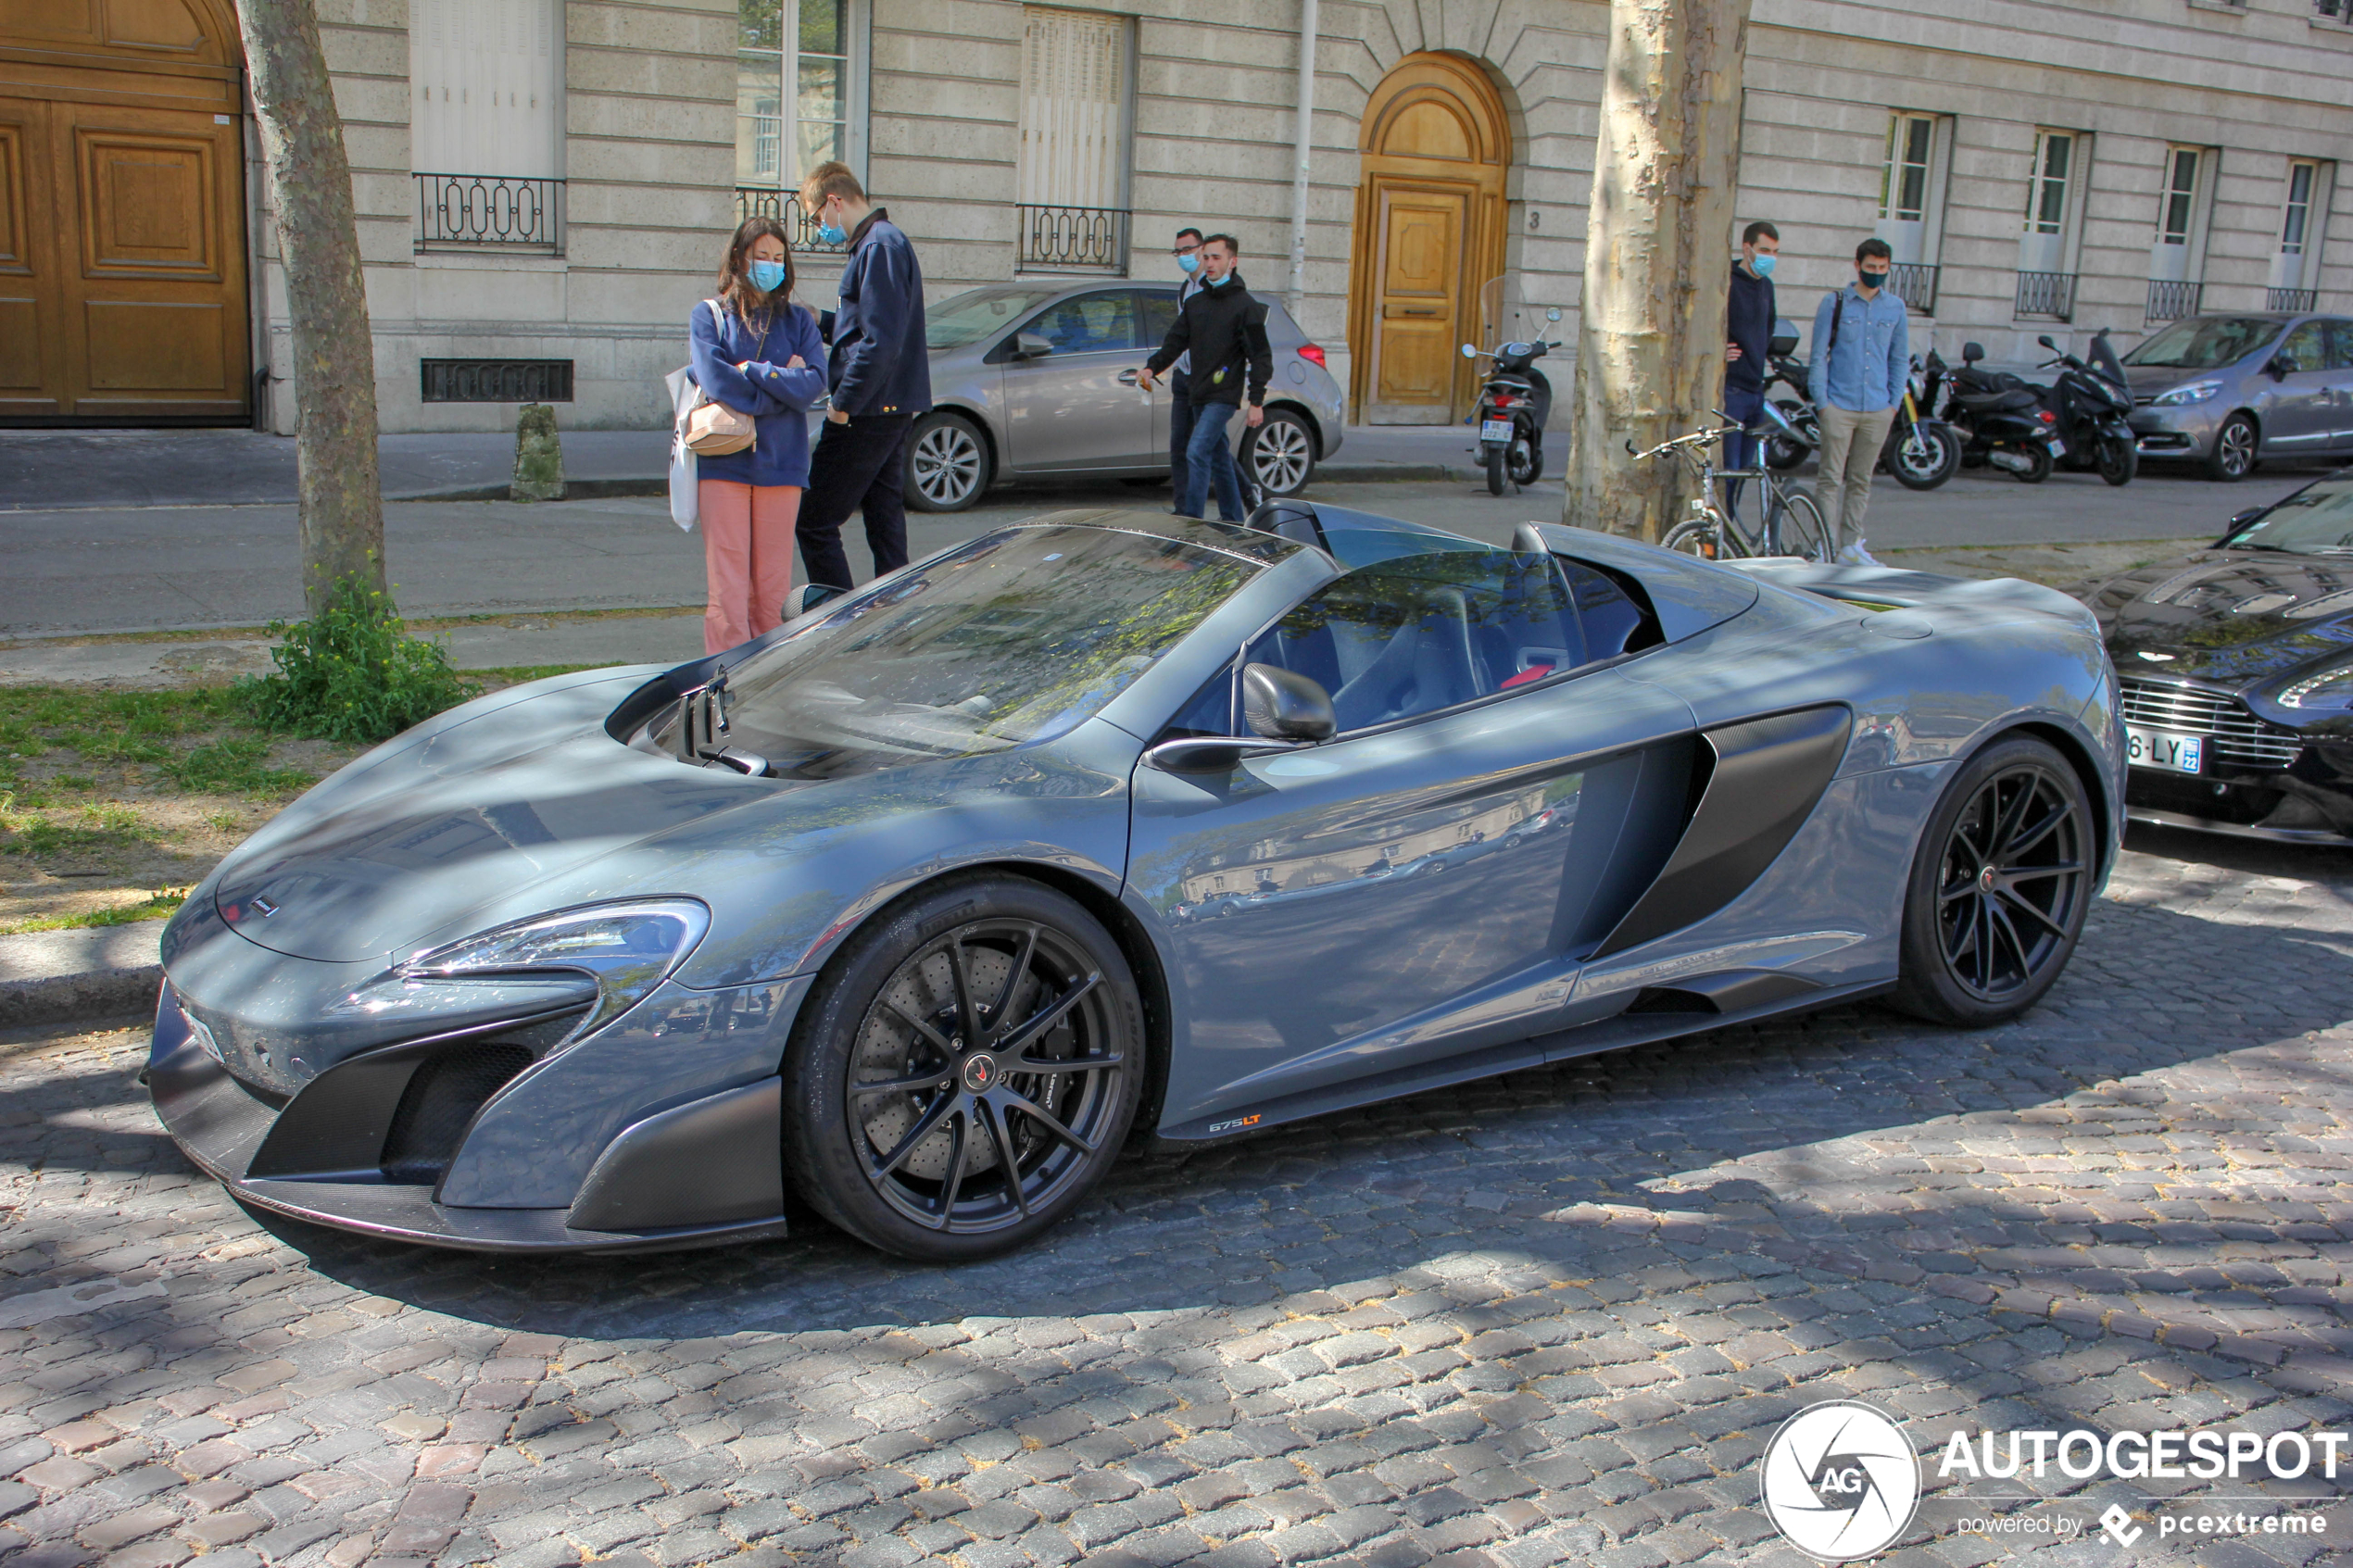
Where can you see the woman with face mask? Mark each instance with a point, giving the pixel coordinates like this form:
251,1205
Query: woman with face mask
757,352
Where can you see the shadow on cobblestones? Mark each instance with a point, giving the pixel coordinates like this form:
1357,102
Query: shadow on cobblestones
1546,1317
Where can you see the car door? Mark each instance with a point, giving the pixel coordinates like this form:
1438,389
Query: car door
1421,885
1079,406
1157,313
2340,333
2299,411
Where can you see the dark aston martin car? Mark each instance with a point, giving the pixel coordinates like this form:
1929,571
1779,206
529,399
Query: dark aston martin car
2236,667
1108,824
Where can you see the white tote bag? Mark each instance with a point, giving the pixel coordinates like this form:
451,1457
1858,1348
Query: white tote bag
686,505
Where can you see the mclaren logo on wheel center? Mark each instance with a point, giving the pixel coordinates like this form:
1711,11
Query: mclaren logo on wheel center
1840,1481
980,1071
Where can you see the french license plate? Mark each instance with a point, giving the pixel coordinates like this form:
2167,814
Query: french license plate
1495,430
2057,445
2160,748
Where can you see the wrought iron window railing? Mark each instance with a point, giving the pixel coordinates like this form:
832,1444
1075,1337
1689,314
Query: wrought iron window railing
2169,300
1072,239
2046,293
2292,299
1915,284
760,201
489,211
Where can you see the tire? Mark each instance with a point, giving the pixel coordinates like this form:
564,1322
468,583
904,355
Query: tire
948,466
1999,887
1522,460
1282,456
1692,539
2118,459
1938,459
1497,457
1801,529
1782,452
902,1168
2039,459
2234,448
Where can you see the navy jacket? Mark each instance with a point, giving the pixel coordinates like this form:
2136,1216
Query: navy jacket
1224,331
1748,320
777,399
881,364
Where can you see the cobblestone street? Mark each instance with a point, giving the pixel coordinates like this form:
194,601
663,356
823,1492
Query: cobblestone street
1548,1318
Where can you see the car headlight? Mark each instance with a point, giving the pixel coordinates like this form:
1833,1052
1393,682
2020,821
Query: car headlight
2331,690
628,948
2194,392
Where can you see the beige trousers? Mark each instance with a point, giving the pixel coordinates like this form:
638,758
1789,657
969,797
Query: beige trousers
1850,451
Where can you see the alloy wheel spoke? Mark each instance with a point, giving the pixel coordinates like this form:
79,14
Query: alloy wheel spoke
2002,925
2011,902
1019,1039
1057,1065
2026,838
903,1086
2035,873
2007,826
1003,1137
1963,935
932,1036
967,1007
926,1124
1014,977
1047,1119
960,1132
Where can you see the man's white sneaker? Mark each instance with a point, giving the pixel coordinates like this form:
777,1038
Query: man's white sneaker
1855,555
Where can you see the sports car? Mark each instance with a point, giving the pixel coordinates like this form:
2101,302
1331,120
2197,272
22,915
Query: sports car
2236,667
1107,827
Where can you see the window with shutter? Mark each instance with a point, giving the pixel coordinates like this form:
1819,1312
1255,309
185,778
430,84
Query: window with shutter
1074,109
486,80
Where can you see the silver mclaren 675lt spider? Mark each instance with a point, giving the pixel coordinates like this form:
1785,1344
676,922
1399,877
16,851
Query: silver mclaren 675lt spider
1108,826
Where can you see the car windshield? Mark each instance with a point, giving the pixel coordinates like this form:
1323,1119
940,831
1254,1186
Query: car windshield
978,313
1014,637
2314,521
2205,343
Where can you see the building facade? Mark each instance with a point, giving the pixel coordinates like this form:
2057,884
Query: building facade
545,186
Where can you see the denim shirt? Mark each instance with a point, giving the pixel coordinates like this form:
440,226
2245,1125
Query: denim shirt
1872,360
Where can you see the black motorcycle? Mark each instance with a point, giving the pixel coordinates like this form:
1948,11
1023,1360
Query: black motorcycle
2090,403
1919,450
1785,448
1512,410
2000,418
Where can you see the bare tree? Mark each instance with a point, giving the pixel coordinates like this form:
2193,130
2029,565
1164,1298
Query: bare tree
334,369
1650,339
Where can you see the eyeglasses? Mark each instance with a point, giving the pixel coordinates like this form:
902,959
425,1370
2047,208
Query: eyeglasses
1184,250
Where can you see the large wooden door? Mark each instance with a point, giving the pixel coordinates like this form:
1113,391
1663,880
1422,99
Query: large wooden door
122,267
1430,231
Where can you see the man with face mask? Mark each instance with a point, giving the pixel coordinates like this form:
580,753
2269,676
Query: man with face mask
1224,330
1749,316
1862,357
1187,251
881,380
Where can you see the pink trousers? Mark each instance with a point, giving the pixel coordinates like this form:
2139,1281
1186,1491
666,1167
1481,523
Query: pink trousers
747,544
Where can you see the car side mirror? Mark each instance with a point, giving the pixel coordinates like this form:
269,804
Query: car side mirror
2240,520
1031,345
2283,366
1553,313
1470,351
2045,341
1279,705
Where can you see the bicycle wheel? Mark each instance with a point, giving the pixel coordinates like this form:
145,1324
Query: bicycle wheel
1797,526
1700,539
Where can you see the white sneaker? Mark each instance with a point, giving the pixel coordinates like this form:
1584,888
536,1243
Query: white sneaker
1855,555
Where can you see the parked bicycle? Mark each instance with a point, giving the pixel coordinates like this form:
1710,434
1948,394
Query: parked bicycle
1789,523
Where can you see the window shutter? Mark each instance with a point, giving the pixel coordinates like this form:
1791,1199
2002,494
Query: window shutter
1074,109
486,87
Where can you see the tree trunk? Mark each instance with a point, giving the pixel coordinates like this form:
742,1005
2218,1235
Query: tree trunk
335,360
1650,339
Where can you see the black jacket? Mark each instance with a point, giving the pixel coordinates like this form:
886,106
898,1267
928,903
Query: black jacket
1748,320
880,363
1225,329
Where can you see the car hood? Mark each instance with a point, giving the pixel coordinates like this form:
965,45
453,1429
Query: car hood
2234,617
478,806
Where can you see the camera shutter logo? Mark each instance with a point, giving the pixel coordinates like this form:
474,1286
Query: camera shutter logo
1840,1481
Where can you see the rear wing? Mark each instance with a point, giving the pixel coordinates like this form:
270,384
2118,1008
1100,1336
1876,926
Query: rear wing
1887,587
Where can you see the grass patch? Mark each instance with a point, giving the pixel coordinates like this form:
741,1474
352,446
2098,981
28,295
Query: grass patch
352,673
91,827
156,905
237,766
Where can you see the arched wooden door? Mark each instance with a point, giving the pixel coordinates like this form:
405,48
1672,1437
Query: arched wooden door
1430,231
122,235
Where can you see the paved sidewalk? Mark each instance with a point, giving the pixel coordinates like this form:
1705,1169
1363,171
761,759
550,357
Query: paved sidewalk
1550,1317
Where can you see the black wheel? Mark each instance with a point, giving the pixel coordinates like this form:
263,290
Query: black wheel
1923,456
946,463
2118,459
2038,463
2234,454
966,1071
1282,454
1999,887
1695,538
1498,461
1798,527
1522,460
1784,452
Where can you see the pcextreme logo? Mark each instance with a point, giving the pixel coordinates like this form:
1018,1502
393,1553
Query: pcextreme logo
1840,1481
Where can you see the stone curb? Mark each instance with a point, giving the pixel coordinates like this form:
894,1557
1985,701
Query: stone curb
50,977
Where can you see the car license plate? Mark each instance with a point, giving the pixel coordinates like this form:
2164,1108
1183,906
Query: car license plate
1495,430
2160,748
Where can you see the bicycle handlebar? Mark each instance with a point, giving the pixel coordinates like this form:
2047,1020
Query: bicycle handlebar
1697,438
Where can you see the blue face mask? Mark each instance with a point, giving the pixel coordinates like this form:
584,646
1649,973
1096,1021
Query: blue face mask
830,232
1188,263
1215,283
767,276
1763,265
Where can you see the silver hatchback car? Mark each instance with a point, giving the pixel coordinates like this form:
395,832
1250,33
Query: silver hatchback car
1037,378
2230,388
